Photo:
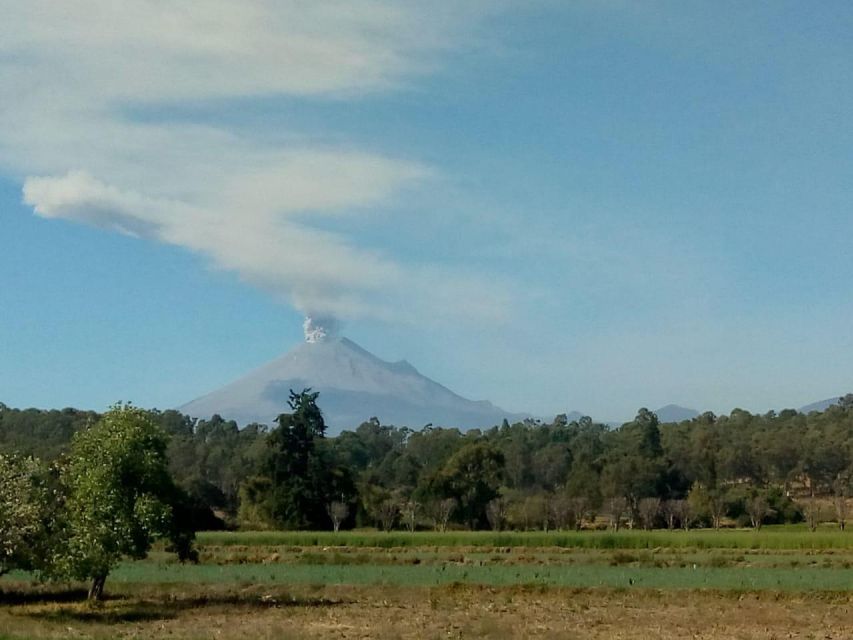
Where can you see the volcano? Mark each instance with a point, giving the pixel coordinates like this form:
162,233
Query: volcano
354,386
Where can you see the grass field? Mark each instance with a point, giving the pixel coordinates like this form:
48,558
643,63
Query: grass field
777,583
730,578
766,538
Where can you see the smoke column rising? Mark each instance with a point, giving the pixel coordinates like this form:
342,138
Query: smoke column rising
319,329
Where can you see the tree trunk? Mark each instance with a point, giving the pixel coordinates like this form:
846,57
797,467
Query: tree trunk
96,591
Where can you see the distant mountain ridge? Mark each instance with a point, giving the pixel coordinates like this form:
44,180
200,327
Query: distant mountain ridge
820,405
675,413
354,385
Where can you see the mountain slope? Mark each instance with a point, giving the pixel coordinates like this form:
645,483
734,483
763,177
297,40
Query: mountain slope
675,413
821,405
354,386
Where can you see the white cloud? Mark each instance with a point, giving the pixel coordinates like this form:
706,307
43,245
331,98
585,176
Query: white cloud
169,50
71,73
317,271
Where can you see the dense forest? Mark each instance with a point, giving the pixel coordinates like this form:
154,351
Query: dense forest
738,469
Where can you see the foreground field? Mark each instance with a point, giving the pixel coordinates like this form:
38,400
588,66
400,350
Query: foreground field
438,612
774,584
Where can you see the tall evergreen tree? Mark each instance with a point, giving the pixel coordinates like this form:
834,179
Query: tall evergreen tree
299,475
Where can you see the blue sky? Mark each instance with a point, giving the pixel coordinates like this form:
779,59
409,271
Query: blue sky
556,206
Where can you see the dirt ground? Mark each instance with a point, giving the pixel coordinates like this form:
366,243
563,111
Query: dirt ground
446,612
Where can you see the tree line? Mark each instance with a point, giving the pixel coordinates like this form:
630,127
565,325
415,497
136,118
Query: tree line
742,468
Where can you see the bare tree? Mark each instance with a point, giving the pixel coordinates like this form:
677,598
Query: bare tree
681,511
716,508
813,512
667,509
338,512
840,499
439,511
386,514
649,509
496,513
842,510
562,512
580,510
758,508
409,511
616,508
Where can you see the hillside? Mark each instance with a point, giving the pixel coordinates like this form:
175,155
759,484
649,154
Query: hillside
354,386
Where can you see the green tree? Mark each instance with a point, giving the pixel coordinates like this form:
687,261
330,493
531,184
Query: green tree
472,476
635,467
299,475
24,503
120,496
551,465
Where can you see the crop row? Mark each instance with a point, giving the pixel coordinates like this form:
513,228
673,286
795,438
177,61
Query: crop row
699,539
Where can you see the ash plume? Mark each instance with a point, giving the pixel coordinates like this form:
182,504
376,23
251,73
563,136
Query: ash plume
319,328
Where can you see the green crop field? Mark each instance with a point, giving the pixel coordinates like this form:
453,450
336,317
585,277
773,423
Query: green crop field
584,576
767,538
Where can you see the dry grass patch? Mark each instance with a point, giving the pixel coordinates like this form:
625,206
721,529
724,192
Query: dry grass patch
439,612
